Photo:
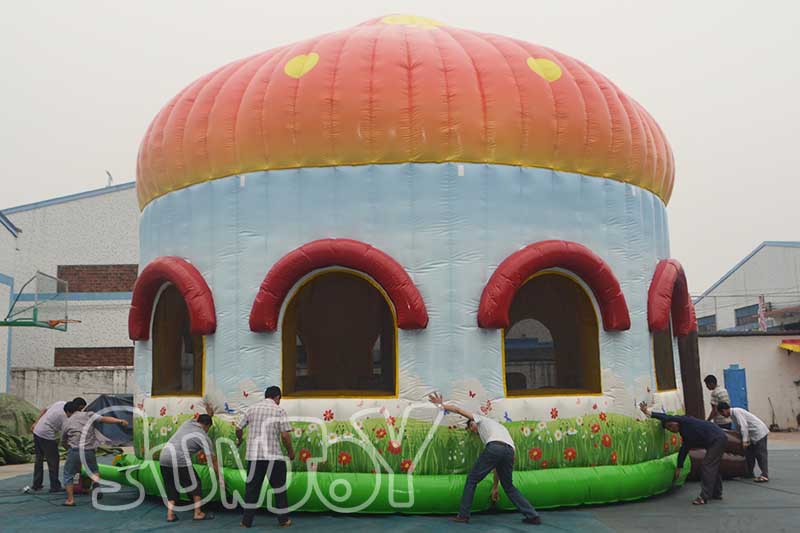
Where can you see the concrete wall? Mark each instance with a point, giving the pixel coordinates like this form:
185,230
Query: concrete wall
773,270
43,386
98,227
770,373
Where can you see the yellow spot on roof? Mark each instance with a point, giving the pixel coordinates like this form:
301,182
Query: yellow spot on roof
299,66
412,20
545,68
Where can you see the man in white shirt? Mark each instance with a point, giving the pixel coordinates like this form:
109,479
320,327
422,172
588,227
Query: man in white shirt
269,426
498,456
718,394
754,438
46,430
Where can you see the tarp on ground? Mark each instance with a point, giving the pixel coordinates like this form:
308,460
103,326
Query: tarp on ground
118,406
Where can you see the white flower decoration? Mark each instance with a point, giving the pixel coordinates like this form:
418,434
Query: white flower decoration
312,428
541,426
526,431
579,421
298,433
333,438
174,419
557,434
164,431
572,431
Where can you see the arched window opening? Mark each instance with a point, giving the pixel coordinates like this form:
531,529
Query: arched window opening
552,346
663,356
339,339
177,354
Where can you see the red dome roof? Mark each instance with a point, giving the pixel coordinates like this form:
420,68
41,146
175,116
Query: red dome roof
402,89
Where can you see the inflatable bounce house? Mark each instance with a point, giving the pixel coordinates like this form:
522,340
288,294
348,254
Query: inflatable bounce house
403,207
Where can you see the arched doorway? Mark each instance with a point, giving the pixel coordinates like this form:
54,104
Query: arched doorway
339,338
177,353
552,344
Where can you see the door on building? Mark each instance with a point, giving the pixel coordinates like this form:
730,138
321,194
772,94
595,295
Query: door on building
736,384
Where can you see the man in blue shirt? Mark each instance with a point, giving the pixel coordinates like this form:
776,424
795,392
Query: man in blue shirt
697,433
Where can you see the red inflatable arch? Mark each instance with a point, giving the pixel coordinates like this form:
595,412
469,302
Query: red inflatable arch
356,255
189,282
517,268
669,293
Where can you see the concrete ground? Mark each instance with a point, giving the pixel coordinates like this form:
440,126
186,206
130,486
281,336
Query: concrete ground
747,507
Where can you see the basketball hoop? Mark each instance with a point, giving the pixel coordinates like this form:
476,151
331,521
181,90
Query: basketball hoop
40,303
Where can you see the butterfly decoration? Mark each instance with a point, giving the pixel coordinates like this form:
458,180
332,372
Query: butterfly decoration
471,394
360,403
228,409
486,407
245,393
506,417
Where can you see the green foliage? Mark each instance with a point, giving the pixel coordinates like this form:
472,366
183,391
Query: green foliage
593,440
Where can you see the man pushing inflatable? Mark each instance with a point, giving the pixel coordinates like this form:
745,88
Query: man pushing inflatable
498,456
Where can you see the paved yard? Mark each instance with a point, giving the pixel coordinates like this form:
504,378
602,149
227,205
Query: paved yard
747,507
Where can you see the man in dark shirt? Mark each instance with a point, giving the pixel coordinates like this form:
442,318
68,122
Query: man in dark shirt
697,433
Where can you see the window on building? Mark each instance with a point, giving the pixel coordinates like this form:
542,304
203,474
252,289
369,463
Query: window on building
177,354
552,345
664,359
747,315
707,324
339,339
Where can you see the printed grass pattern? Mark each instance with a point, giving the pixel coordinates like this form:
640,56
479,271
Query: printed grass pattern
592,440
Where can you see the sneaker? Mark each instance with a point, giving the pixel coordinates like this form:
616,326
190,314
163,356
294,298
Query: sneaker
57,490
533,520
288,523
459,519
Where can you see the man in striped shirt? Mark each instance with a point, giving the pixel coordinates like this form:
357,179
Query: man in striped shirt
268,426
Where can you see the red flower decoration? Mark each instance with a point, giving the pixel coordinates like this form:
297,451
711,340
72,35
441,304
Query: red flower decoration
594,407
163,411
666,447
535,454
380,433
191,407
394,447
544,464
391,420
406,465
606,440
196,416
603,416
613,458
595,428
327,415
344,458
201,458
553,413
570,454
673,440
305,455
595,445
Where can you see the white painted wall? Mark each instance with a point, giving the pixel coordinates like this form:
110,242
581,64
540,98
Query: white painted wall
770,373
773,271
101,229
43,386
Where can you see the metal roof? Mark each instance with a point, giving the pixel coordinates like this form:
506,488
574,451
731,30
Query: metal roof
70,198
782,244
6,223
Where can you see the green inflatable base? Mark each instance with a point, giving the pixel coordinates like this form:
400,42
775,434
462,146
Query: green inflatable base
424,494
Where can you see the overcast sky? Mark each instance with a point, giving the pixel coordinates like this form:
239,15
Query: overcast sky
81,81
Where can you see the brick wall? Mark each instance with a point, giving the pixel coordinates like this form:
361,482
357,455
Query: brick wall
109,356
99,278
